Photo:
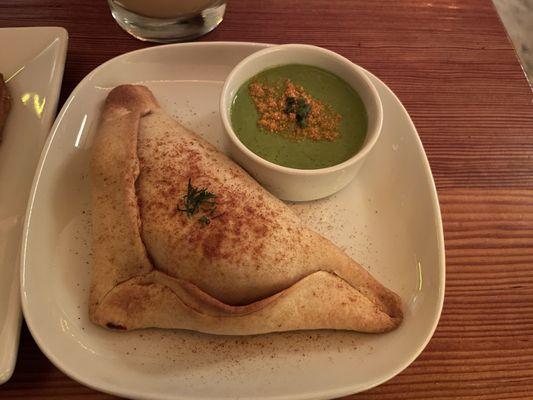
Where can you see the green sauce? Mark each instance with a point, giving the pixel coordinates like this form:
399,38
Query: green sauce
304,153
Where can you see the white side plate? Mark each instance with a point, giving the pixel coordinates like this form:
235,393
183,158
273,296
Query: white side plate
32,62
388,219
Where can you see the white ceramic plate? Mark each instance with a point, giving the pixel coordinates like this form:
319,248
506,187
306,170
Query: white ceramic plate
388,218
32,62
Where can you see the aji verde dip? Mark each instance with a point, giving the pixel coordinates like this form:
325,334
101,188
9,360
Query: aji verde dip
299,116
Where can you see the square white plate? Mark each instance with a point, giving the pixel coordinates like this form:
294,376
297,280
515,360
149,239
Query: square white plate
388,219
32,63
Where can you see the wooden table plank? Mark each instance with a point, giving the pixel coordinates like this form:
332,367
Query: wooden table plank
451,64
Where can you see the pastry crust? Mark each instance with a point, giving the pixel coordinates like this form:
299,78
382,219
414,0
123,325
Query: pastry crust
254,269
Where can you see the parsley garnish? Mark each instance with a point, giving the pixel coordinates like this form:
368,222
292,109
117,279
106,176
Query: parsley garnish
300,108
197,200
204,220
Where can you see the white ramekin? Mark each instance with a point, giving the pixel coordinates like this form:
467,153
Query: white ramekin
291,183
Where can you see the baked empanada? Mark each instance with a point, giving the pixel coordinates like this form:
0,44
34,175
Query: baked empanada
184,238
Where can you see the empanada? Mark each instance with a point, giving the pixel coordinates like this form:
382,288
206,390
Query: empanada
241,263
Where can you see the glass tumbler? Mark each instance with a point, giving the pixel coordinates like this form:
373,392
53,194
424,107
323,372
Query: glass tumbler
168,21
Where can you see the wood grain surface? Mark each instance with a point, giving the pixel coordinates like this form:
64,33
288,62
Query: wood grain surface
453,67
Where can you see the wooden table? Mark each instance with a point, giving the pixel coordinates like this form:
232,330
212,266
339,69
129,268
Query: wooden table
453,67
